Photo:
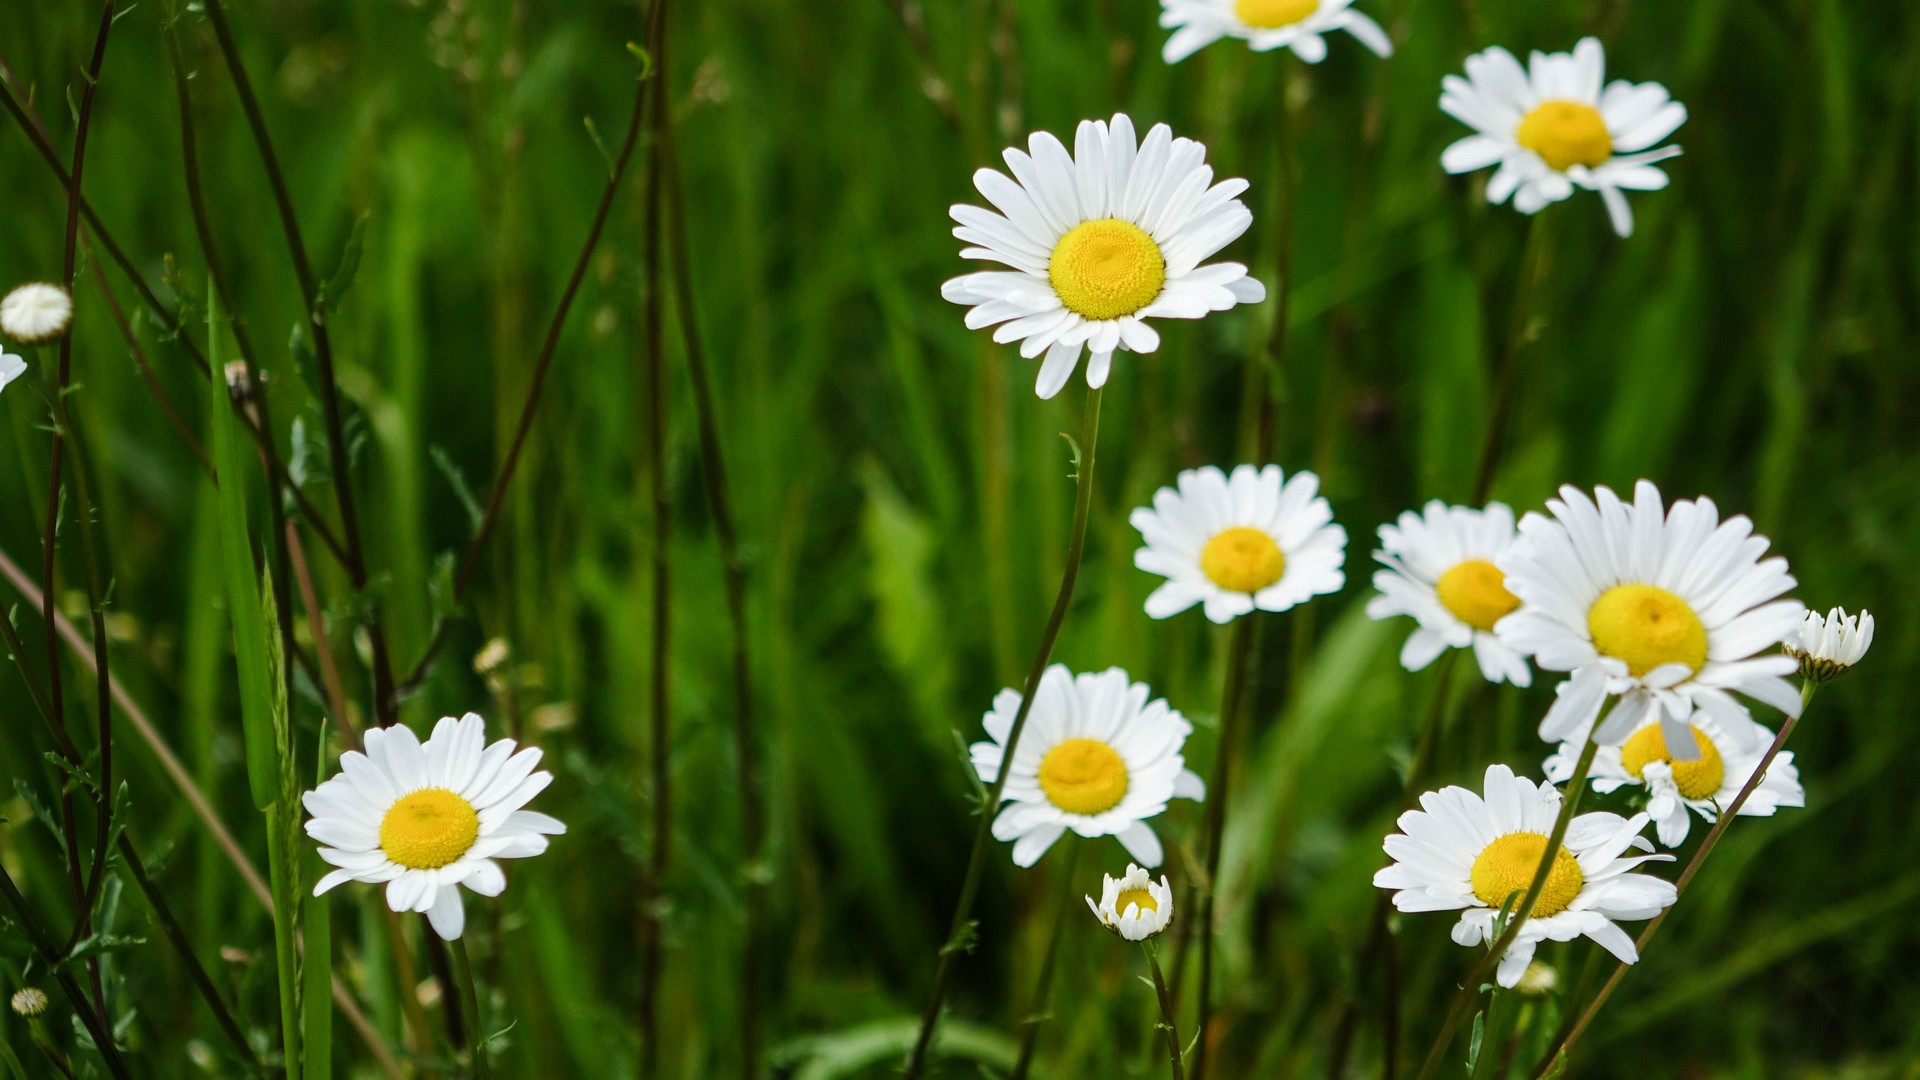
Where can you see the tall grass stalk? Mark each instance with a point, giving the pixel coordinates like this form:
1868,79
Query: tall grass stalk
960,936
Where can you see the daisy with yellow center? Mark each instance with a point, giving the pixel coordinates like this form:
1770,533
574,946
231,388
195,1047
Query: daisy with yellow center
1096,757
1552,127
1300,25
1477,854
427,818
1134,905
1665,609
1677,788
1097,243
1255,540
1439,569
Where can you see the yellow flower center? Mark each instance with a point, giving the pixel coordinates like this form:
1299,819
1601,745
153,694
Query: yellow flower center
1647,626
1565,134
1476,592
1135,896
1506,867
1105,269
428,829
1083,776
1273,14
1699,779
1242,559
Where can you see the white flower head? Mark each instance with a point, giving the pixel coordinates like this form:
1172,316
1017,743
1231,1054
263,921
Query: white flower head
1096,757
1300,25
31,1001
1439,568
1551,127
1254,540
36,313
1134,905
1099,241
1828,648
1678,789
11,368
427,818
1664,608
1472,854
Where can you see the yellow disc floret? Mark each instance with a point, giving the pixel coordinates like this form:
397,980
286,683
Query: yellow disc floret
1698,779
1506,868
1647,626
1273,14
1476,592
1105,269
1135,896
428,829
1084,776
1565,134
1242,560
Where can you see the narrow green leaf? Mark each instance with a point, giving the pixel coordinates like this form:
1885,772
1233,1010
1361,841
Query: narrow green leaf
342,278
316,1004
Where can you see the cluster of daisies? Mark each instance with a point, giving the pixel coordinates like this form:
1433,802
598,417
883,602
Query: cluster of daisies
1662,622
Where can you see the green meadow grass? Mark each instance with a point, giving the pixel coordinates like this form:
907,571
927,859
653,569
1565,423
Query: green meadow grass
904,500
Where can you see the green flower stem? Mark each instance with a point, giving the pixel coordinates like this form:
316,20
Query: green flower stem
1239,655
1533,268
1565,1044
957,935
1169,1015
1470,989
1043,987
470,1001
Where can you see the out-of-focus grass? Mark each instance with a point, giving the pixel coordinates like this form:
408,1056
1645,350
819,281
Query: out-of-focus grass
904,497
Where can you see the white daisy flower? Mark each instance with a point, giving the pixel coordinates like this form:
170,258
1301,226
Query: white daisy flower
1551,127
1828,648
36,313
1461,852
426,818
1440,570
1134,906
1099,242
1096,757
1254,540
1703,785
1664,608
1265,25
11,368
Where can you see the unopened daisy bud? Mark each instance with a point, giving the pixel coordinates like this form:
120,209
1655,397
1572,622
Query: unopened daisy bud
1538,980
491,656
1828,648
1134,905
36,313
11,368
29,1001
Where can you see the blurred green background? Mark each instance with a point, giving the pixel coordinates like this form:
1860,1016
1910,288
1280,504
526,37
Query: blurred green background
904,499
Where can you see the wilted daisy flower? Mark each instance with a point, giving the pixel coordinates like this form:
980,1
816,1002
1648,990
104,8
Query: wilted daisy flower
1828,648
1664,608
1461,852
1099,242
36,313
1134,906
1552,128
428,817
1254,540
1440,570
31,1001
1096,757
1709,781
1266,24
11,368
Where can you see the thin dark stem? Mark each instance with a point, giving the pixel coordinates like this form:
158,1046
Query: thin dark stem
1274,378
958,935
146,369
1233,707
59,1060
1043,987
43,943
1533,266
659,861
1470,990
734,570
470,994
1565,1044
1169,1017
202,981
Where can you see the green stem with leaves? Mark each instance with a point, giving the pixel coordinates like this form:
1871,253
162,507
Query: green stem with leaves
1169,1014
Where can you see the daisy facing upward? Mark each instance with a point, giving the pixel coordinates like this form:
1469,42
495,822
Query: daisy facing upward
1439,568
1552,127
1097,243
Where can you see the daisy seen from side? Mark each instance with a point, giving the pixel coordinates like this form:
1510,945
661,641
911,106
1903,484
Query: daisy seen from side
1439,568
1299,25
1827,648
1134,905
